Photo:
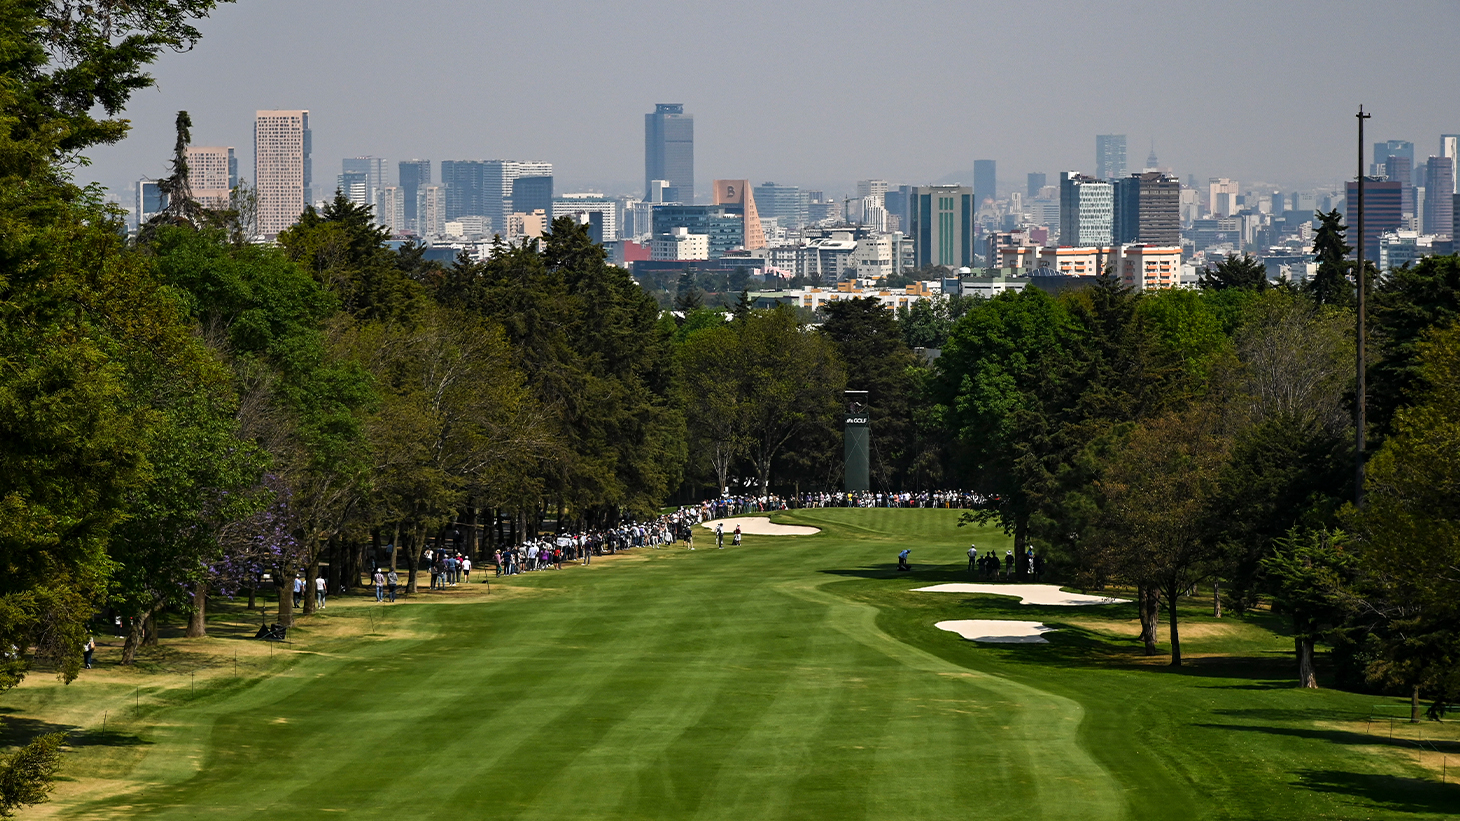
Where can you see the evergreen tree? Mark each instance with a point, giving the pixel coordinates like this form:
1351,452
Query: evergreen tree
1331,284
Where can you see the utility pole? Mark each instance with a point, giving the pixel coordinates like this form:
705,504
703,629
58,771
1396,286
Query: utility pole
1361,281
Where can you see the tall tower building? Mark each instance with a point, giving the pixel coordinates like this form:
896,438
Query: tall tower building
498,178
1439,206
532,193
1087,211
281,168
1400,168
212,173
413,174
431,209
784,203
1382,213
985,182
1222,196
465,182
1148,209
390,211
737,195
941,225
1036,181
374,170
1450,147
669,151
1109,156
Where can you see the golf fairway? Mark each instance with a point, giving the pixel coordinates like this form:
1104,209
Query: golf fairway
791,677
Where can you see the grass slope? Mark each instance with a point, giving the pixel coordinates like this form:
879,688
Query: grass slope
789,678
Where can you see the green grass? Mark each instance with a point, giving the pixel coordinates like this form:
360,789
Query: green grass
789,678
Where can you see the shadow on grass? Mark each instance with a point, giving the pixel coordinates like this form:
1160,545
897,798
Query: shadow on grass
1339,737
18,732
1389,791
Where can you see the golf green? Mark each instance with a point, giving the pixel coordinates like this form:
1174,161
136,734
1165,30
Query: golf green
791,677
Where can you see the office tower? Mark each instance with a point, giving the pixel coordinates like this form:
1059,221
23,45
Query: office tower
658,192
355,186
413,173
896,202
872,188
737,197
941,225
1109,156
390,211
1439,199
669,151
1382,213
1400,168
465,182
1393,148
492,186
1454,217
1148,209
374,170
984,183
593,210
725,229
533,193
1036,181
784,203
1087,210
1450,147
212,173
1222,197
150,201
281,168
431,209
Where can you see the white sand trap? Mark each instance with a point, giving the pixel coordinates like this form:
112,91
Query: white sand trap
1047,594
759,526
997,631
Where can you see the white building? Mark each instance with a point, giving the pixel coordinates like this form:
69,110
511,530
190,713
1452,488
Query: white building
874,258
679,244
1222,197
582,206
282,170
1087,210
391,210
431,210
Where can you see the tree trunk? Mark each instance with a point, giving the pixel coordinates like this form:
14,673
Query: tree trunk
149,630
1306,676
1021,547
197,620
1148,602
311,602
418,534
1414,705
1217,598
136,637
253,593
284,587
1171,596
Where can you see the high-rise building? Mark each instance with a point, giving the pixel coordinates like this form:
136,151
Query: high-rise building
212,173
355,186
1148,209
497,179
390,210
985,182
1036,182
737,196
941,225
533,193
1109,156
725,229
1222,196
784,203
466,183
669,151
1393,148
150,201
413,174
872,188
374,170
1450,147
282,170
593,210
897,203
1439,208
1382,200
1087,211
1400,168
431,209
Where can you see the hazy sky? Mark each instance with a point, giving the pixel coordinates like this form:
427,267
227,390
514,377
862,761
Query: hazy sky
815,92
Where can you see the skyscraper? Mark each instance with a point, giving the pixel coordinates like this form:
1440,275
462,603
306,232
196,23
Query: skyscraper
465,182
431,209
1148,209
355,186
783,202
1400,168
532,193
941,225
1393,148
1381,212
1087,211
212,173
374,170
985,182
391,208
1439,205
1109,156
498,177
1036,182
413,173
737,196
1450,147
281,168
669,151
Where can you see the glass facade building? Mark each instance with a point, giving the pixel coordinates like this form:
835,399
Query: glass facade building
669,151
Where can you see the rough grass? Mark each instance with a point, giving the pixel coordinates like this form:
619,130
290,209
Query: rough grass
783,679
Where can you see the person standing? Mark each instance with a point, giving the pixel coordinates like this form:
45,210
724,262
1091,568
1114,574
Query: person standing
319,591
736,541
720,535
972,557
391,581
379,580
88,650
298,591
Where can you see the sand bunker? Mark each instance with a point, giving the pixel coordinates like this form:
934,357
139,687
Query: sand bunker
759,526
997,631
1047,594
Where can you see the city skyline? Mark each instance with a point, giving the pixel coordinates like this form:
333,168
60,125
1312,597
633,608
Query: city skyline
1259,123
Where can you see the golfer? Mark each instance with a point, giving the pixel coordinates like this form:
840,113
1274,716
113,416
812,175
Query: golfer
972,557
902,559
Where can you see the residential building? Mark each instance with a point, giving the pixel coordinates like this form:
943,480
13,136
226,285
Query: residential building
282,168
1148,209
1222,197
737,197
1400,248
413,173
874,257
1382,201
1087,210
941,224
526,225
390,210
873,188
1147,267
431,209
375,175
679,244
1109,156
355,186
783,203
985,183
1439,208
212,173
669,151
